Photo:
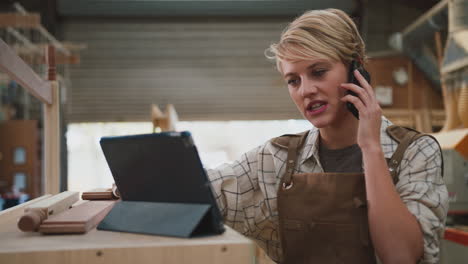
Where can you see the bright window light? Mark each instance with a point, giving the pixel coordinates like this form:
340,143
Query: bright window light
217,142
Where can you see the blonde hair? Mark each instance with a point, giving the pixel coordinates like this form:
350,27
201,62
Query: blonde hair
327,34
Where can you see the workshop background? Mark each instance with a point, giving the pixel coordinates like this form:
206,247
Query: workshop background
202,62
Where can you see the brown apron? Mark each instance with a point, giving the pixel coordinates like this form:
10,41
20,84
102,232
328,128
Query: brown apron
323,216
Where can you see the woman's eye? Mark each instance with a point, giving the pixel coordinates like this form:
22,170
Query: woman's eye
318,73
292,81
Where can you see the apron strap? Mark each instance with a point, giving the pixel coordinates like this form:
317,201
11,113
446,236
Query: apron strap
404,136
293,143
293,146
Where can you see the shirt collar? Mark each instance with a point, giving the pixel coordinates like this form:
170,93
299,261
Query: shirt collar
310,148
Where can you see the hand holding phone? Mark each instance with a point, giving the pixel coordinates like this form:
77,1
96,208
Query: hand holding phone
352,79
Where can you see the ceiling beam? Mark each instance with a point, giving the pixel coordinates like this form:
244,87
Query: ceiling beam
173,8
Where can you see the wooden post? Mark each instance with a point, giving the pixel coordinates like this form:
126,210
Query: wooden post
452,119
52,130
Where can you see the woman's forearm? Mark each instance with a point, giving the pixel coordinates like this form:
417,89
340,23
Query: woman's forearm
395,232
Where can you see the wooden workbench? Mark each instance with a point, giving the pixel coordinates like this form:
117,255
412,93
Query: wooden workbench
115,247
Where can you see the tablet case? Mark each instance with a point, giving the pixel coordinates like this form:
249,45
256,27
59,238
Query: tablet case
166,219
163,187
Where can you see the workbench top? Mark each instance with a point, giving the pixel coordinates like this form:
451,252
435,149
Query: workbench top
114,247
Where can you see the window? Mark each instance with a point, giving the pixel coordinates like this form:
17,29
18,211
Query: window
19,156
19,181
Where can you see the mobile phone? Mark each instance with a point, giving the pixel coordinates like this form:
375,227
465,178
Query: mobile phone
352,79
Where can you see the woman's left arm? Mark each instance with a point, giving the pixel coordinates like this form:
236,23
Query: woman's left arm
406,221
424,193
398,232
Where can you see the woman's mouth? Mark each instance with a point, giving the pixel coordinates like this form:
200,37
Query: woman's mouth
315,108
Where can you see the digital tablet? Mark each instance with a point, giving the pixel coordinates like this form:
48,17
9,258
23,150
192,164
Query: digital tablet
160,167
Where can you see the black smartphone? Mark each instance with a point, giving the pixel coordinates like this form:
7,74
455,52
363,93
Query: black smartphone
352,79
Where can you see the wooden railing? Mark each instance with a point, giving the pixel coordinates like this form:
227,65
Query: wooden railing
45,90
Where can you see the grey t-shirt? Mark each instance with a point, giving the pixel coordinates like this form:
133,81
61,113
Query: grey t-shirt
347,159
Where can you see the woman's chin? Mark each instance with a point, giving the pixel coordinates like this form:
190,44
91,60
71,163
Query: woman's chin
328,120
319,122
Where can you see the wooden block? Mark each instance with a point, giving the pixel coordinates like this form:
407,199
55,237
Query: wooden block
36,213
102,194
79,219
98,194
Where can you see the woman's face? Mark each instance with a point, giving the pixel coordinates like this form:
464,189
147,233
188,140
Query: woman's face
314,86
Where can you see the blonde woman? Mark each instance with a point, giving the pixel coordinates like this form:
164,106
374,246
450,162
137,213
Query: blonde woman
348,190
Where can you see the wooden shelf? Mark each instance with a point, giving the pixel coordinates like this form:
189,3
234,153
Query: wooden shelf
456,235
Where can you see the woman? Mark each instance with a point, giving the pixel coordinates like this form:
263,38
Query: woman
327,195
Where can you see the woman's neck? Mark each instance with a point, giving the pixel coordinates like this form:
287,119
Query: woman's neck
340,135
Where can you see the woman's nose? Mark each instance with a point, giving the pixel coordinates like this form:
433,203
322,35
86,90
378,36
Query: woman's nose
308,87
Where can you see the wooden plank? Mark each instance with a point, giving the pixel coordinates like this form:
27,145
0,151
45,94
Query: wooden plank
25,54
24,40
56,203
19,71
79,219
30,20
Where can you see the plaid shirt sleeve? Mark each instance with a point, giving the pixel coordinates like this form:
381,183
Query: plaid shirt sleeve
246,193
423,190
235,186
